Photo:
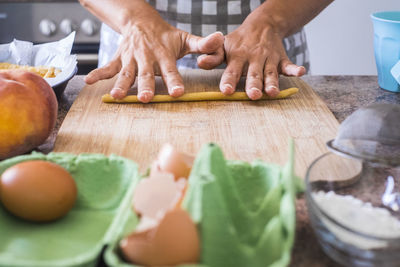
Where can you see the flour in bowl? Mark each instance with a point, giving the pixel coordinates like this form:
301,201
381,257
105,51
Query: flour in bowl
359,216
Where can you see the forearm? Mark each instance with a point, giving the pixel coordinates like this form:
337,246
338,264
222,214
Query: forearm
287,16
120,13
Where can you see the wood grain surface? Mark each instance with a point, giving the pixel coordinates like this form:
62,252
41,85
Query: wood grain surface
245,130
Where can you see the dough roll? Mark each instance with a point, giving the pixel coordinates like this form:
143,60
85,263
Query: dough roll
200,96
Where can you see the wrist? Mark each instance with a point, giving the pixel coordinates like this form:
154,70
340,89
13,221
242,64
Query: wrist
143,15
269,18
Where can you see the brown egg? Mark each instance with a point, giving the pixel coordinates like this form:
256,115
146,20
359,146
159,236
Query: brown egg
38,191
171,160
174,241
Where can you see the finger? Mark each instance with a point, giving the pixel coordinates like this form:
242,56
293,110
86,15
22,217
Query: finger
146,81
290,69
254,80
126,78
208,62
206,45
231,76
171,77
271,78
105,72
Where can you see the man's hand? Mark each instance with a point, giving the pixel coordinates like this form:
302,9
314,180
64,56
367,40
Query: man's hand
151,47
256,51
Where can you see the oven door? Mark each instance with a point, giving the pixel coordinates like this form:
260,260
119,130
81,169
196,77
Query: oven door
87,56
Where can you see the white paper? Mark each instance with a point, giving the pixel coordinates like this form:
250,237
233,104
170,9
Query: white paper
55,54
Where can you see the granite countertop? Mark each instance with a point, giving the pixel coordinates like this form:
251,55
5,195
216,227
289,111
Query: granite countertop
342,94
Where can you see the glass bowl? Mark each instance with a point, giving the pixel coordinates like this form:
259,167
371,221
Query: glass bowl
354,209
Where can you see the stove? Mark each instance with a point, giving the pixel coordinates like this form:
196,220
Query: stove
47,21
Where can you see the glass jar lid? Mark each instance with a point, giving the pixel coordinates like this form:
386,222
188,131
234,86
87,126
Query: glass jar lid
371,133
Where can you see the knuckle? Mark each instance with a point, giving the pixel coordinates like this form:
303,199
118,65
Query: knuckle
146,75
254,75
258,50
163,53
270,72
233,74
170,72
127,74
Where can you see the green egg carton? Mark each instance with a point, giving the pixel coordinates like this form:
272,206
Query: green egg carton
105,186
245,212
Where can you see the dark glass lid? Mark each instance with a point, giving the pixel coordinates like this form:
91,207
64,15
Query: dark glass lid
371,133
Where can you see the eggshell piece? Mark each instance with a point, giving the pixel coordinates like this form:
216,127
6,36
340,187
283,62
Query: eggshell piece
146,223
174,241
156,195
38,191
171,160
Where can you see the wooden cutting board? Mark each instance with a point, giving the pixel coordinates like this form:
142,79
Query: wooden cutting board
245,130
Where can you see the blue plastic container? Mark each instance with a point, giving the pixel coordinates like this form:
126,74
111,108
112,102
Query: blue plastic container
387,47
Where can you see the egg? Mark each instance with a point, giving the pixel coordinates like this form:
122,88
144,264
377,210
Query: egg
38,191
165,235
173,161
172,242
157,194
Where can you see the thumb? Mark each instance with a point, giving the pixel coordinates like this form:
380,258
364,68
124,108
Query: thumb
204,45
210,61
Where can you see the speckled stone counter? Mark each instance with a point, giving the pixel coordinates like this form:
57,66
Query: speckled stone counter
343,95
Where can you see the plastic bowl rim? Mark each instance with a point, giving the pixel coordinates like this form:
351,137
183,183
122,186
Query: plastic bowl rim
375,16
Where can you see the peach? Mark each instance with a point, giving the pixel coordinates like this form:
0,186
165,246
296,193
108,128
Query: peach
28,112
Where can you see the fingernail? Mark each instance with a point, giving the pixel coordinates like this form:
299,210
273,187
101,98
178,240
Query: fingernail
254,93
227,89
302,70
220,33
145,96
272,90
117,93
176,91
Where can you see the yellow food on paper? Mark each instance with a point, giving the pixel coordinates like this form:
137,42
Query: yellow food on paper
200,96
45,72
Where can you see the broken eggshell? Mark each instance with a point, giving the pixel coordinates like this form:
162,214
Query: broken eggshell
174,241
156,195
165,235
173,161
